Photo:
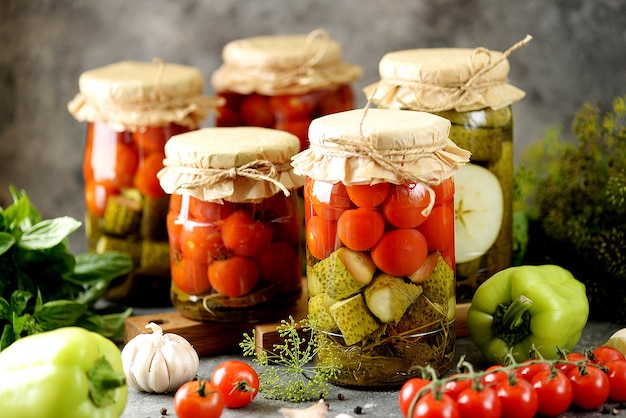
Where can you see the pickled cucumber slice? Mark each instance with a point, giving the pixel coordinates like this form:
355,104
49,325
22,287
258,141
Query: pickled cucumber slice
121,216
314,286
485,144
440,285
319,313
353,318
388,297
422,316
153,226
478,209
155,256
345,272
108,243
484,118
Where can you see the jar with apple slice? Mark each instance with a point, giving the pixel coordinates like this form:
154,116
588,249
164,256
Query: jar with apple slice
379,216
470,88
131,110
233,224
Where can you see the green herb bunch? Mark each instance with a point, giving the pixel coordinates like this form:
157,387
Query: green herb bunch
575,193
288,371
42,285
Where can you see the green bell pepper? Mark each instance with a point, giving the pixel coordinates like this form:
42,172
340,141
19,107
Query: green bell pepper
68,372
525,308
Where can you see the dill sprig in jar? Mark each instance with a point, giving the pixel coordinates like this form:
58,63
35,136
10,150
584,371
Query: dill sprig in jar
233,223
379,216
470,88
132,109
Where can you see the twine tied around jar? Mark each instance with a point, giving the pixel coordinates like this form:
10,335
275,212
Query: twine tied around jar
262,170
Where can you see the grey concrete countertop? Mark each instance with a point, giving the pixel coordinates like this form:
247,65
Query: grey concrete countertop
372,403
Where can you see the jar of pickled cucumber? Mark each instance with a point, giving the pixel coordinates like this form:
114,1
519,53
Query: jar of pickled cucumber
470,88
233,223
283,82
379,211
131,110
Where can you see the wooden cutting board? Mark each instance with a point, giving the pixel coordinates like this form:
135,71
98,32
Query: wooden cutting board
210,338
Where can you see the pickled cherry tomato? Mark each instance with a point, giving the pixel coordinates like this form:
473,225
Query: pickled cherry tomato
359,229
291,107
255,110
150,139
329,200
278,263
201,243
210,211
439,228
321,237
298,127
368,196
234,276
444,191
146,179
112,157
404,205
96,196
190,277
400,252
244,235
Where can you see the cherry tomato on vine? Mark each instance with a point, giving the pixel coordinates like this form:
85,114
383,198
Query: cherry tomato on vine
454,387
571,357
400,252
603,354
482,403
494,375
408,391
428,406
198,398
554,391
590,385
519,400
233,277
617,380
528,369
360,229
238,382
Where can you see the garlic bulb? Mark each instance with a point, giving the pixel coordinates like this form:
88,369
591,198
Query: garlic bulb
159,362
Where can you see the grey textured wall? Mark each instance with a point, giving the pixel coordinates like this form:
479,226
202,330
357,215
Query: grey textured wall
578,54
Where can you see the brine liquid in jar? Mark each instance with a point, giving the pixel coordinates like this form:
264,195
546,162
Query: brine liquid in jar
234,224
234,261
380,259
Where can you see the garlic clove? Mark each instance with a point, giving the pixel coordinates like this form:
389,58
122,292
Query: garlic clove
159,375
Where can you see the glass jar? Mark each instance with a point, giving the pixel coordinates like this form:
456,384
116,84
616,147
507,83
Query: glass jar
233,224
379,212
283,82
470,88
131,110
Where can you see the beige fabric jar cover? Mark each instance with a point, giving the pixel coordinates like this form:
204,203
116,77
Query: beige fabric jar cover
370,146
437,79
288,64
241,164
129,94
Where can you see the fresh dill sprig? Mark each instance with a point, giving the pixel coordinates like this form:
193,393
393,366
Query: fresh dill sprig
289,371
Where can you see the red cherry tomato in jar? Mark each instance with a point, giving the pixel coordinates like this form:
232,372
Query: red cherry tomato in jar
190,277
368,196
321,237
279,263
327,199
400,252
238,382
233,277
256,111
404,205
97,195
146,176
244,235
360,229
438,229
150,139
210,211
292,107
201,243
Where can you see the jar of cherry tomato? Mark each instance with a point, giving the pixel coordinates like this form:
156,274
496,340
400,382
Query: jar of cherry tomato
233,223
283,82
131,110
379,211
470,88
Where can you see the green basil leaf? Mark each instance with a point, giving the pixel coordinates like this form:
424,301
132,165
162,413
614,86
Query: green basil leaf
92,267
6,242
19,301
109,325
6,312
48,233
59,313
8,336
